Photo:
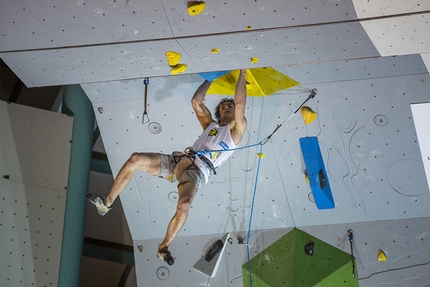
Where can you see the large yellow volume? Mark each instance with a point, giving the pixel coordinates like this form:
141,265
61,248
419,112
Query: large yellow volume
260,82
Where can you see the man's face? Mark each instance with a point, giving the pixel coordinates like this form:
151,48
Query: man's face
226,109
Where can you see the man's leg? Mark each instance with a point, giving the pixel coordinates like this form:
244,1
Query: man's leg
149,162
186,191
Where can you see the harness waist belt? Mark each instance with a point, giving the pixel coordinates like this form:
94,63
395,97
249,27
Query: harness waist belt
191,153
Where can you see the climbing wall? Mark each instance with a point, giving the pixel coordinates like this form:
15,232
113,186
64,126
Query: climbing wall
368,141
32,199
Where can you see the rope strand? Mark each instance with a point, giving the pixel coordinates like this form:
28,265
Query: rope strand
250,217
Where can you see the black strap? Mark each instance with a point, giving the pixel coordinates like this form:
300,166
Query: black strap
189,152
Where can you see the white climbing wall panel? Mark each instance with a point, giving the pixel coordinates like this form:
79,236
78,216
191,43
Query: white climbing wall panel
377,8
396,27
32,198
421,112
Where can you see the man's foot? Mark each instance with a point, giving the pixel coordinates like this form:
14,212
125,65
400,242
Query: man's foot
100,203
164,254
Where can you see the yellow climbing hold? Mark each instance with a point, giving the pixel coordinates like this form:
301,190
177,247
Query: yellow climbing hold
173,58
307,179
180,68
215,50
381,256
254,60
249,28
308,115
195,8
260,155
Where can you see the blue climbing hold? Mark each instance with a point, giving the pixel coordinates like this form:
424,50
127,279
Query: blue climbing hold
317,175
210,76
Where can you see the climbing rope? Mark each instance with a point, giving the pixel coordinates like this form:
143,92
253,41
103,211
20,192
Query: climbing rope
250,217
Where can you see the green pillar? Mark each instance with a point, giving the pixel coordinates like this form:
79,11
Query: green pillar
77,102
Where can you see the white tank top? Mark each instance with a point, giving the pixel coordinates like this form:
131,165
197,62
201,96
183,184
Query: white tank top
215,139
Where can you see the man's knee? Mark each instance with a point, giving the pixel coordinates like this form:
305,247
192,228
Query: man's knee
184,206
138,161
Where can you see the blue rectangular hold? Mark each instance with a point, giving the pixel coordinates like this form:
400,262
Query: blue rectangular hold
316,173
210,76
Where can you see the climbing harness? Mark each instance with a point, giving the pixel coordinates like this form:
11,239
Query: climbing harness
145,117
189,152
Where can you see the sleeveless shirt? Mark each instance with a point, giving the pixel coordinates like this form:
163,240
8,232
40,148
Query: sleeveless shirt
214,137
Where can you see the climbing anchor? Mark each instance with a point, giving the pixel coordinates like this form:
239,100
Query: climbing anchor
350,238
145,117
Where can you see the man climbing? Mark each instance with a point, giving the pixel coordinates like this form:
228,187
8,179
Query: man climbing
190,168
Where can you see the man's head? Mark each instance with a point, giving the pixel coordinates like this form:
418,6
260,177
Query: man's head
223,103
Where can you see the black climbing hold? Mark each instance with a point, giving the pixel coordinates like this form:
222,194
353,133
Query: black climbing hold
6,176
323,181
214,250
309,248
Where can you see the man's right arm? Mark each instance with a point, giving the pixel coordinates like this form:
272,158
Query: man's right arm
202,112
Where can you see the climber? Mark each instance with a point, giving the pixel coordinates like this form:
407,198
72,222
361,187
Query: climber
191,167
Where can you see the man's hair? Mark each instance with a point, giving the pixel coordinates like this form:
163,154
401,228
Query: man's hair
217,115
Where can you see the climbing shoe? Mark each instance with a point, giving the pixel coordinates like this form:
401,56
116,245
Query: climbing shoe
100,203
165,255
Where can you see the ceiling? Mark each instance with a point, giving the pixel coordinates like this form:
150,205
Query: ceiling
368,61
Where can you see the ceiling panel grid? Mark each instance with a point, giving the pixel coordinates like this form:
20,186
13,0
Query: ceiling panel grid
32,25
315,44
230,16
49,24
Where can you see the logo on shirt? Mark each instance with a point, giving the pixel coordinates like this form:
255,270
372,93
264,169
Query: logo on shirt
213,132
224,145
